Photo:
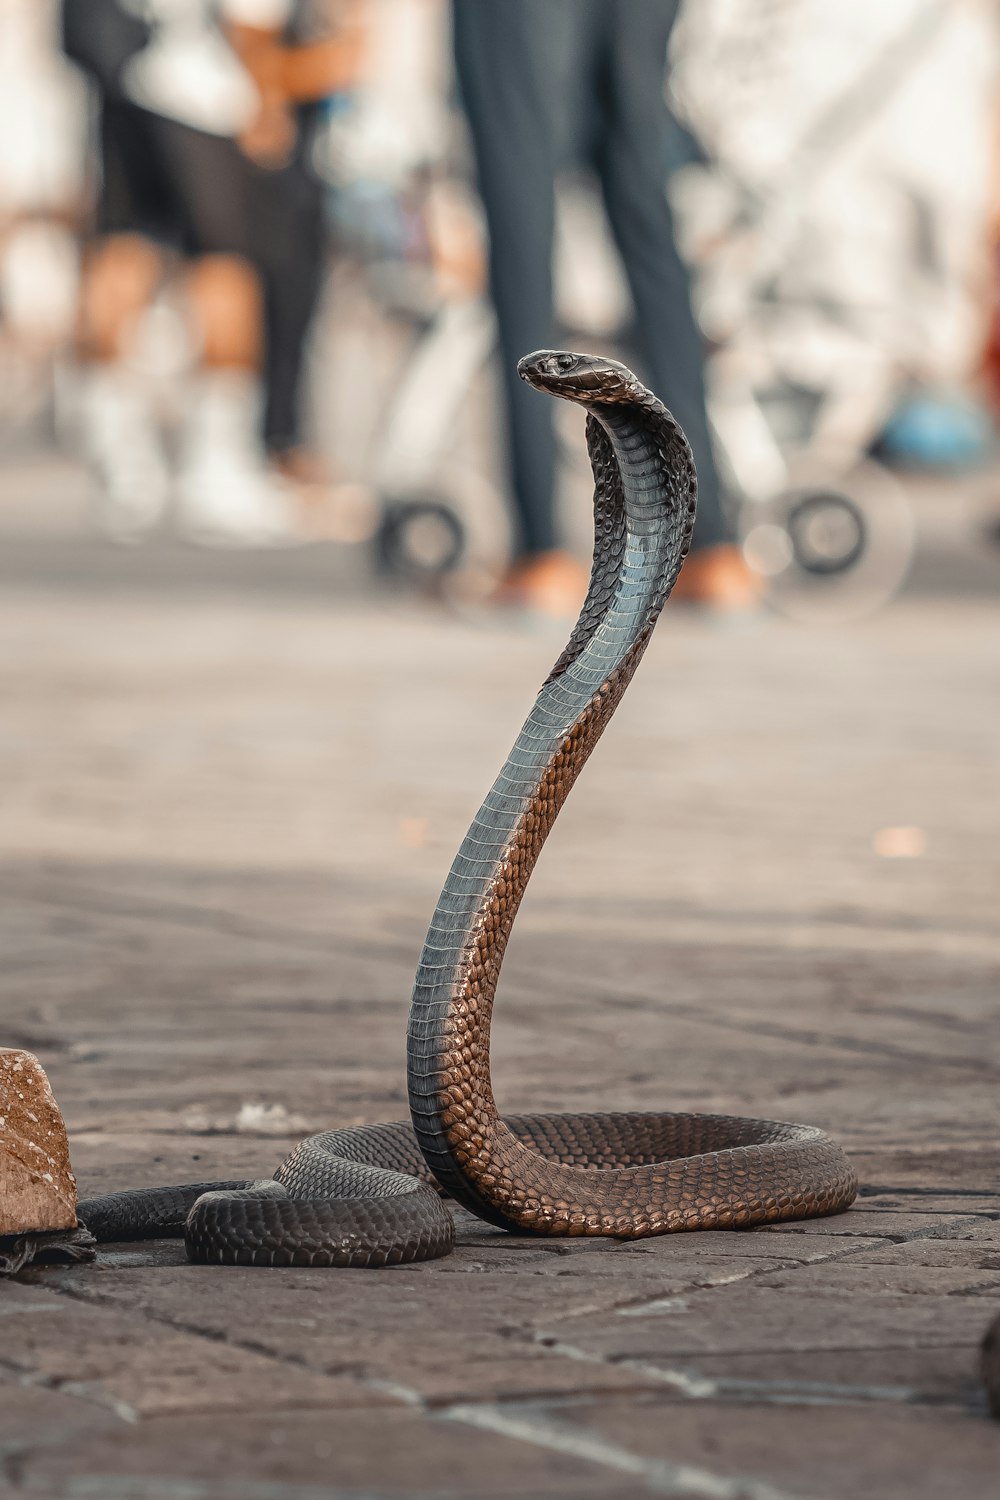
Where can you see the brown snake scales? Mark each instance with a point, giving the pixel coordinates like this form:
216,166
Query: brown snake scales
371,1196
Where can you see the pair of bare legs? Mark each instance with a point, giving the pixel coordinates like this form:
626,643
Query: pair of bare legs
122,276
225,491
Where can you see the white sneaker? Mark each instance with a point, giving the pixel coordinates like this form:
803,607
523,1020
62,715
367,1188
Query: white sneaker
122,443
226,494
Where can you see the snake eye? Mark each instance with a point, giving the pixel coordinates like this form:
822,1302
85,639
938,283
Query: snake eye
566,361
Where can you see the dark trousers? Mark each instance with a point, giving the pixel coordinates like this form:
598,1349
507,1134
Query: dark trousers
544,83
290,253
199,194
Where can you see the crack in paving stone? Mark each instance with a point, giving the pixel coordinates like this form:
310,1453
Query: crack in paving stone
944,1214
660,1476
968,1220
675,1302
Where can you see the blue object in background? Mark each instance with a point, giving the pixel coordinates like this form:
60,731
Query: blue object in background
938,431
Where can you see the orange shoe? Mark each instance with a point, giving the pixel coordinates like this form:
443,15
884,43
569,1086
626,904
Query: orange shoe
551,583
719,578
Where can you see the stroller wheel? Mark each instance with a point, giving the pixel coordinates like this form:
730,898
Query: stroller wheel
831,547
827,532
419,539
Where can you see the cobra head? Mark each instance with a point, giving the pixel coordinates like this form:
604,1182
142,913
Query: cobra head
577,377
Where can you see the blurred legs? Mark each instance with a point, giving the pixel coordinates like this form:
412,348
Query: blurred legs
542,80
226,492
120,435
634,163
508,58
226,305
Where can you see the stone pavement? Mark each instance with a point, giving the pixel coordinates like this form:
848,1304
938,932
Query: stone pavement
228,808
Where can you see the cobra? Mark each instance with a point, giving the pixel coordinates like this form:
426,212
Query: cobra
372,1196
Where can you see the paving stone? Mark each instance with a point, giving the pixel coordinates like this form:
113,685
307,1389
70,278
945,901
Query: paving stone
35,1417
867,1452
855,1278
748,1247
140,1367
744,1318
941,1374
882,1223
930,1171
403,1455
977,1246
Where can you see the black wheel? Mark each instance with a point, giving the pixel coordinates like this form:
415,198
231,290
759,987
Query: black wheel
419,539
831,547
827,531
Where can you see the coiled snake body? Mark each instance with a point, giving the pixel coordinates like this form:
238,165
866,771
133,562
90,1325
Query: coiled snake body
370,1196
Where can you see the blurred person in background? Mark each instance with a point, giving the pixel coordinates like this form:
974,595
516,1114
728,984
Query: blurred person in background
206,109
544,82
42,170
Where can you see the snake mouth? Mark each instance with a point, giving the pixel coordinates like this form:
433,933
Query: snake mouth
576,377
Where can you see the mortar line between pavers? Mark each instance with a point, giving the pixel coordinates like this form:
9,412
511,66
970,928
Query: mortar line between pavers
829,1393
117,903
249,1346
146,1487
961,1221
120,903
698,1387
753,1271
759,1027
876,1190
659,1475
173,913
991,1215
695,1387
598,990
649,911
402,1393
231,924
729,1391
83,1390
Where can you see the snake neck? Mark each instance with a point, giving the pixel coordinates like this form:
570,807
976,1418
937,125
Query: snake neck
644,508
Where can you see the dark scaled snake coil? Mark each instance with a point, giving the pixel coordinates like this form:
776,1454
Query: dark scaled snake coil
372,1195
